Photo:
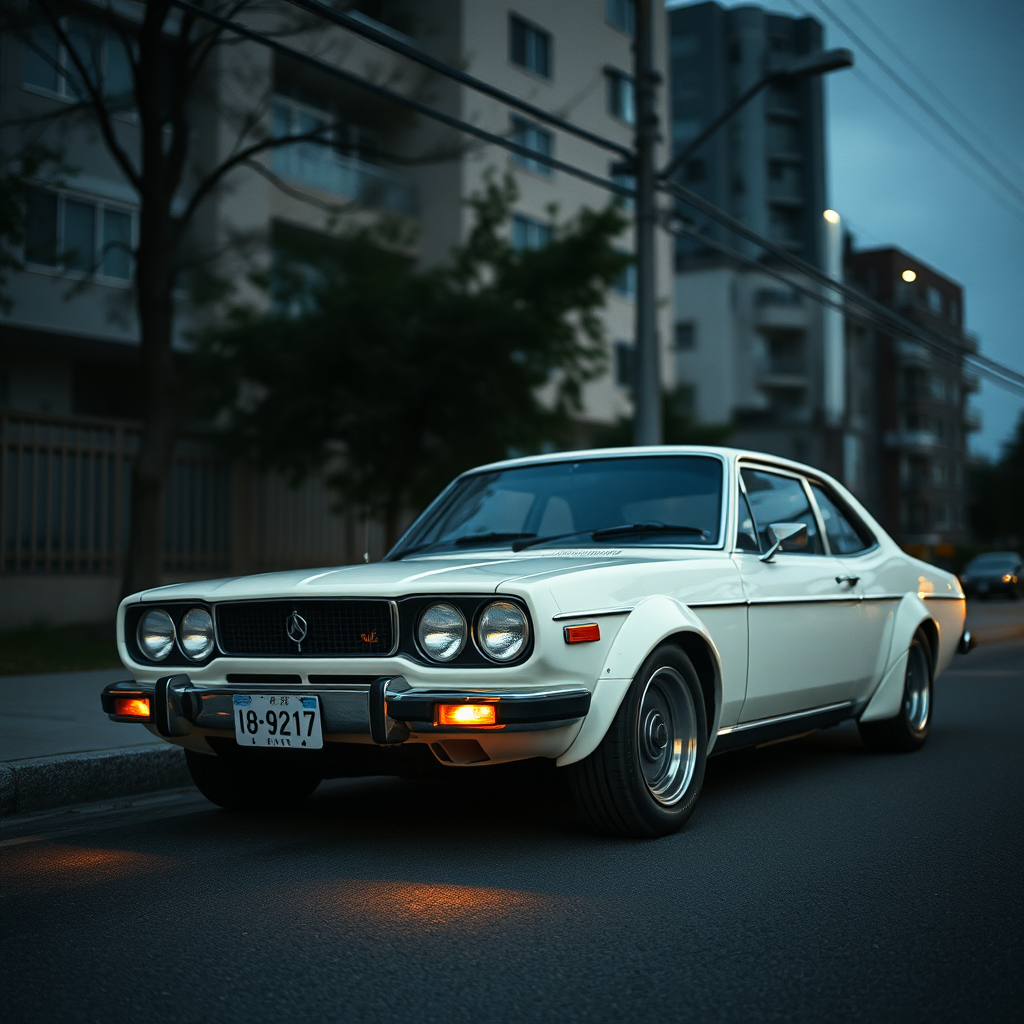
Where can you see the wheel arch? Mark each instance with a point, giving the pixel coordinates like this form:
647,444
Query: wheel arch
653,622
911,615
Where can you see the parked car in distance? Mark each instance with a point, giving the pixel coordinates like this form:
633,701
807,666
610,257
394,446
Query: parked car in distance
995,572
623,613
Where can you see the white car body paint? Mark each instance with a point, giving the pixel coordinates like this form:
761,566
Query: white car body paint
782,637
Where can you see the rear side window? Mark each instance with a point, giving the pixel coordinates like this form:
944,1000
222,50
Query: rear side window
781,499
841,527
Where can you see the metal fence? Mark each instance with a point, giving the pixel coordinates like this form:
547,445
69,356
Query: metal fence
64,498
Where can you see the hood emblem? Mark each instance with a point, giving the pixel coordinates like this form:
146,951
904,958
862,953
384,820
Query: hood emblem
296,628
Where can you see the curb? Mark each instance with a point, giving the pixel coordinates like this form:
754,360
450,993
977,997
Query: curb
39,783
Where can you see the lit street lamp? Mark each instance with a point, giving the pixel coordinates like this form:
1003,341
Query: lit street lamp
647,414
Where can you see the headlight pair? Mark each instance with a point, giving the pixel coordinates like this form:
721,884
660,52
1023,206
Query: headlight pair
194,634
501,632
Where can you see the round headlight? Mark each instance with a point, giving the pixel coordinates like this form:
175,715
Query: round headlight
502,631
196,634
156,634
442,631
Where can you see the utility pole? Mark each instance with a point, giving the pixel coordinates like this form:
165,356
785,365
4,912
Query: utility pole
647,393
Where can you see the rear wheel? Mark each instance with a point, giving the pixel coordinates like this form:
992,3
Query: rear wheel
644,779
239,785
908,730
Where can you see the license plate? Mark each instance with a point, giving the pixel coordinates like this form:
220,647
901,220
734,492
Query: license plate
278,720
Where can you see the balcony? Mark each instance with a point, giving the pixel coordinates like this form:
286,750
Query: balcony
972,420
323,168
913,440
910,353
970,381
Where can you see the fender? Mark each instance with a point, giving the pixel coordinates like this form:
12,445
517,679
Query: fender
651,622
888,695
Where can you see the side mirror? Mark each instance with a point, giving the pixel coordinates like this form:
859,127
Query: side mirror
781,532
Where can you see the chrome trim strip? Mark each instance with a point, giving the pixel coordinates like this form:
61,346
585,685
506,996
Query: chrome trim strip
821,599
598,613
731,602
744,726
942,597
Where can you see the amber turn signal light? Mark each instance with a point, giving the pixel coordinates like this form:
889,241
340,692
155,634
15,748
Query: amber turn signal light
582,634
467,714
132,707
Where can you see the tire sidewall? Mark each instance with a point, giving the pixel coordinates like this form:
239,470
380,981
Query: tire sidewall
661,819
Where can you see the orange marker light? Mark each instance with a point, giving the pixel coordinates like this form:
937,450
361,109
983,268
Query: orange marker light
582,634
467,714
132,707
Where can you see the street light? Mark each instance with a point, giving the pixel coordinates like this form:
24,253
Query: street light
647,412
819,63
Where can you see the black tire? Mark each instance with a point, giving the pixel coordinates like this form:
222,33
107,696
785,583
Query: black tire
633,785
237,784
908,730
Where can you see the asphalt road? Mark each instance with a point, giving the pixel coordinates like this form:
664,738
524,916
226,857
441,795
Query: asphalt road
815,882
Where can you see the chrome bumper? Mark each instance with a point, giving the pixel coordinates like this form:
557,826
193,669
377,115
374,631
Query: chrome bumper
388,709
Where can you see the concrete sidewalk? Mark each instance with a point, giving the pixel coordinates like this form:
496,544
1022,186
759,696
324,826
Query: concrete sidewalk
57,747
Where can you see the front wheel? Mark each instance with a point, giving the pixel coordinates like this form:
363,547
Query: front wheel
238,785
644,779
908,730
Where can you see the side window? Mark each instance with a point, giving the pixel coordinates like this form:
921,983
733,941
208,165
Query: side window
781,499
843,537
746,532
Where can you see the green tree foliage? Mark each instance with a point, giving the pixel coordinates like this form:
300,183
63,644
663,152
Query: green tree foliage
394,379
997,508
678,425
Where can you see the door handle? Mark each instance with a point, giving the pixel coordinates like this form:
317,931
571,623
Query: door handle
848,579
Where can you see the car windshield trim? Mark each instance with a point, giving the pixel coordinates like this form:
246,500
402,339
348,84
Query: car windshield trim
710,537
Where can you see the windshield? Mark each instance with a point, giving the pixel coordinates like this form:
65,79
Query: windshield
669,499
996,562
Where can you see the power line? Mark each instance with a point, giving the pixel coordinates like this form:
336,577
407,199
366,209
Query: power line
991,368
682,230
396,45
965,122
936,115
406,101
895,321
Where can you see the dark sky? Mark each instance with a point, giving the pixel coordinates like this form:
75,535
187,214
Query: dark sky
894,187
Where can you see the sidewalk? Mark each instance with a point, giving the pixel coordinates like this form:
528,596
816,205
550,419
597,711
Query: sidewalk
57,747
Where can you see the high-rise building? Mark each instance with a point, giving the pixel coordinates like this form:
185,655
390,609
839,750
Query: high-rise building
748,349
69,352
908,418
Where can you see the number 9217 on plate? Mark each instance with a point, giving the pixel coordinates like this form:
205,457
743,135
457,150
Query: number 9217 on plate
278,720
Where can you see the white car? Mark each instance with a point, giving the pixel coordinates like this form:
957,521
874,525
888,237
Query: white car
622,612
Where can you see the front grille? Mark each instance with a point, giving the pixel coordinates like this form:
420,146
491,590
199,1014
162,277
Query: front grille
355,628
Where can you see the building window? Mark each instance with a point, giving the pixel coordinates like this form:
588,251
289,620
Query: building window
934,300
686,337
49,65
625,283
784,223
940,515
627,180
621,96
937,388
777,297
623,364
536,139
68,233
783,137
529,46
684,44
528,233
621,14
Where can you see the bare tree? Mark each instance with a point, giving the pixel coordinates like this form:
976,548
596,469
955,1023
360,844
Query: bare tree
159,128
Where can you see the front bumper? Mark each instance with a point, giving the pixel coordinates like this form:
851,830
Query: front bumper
387,710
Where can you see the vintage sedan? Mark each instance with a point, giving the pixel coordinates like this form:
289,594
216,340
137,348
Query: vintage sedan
623,613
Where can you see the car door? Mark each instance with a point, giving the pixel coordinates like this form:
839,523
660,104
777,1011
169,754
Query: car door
803,623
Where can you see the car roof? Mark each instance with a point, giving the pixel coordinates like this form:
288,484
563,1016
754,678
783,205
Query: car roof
728,454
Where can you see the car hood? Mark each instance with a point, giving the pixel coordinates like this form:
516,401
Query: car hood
474,573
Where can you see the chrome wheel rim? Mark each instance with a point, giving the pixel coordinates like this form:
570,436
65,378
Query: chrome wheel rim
667,736
917,692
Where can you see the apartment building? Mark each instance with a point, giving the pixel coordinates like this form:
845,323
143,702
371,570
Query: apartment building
69,352
909,403
747,347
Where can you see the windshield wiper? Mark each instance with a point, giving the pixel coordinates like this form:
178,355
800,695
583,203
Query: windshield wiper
614,531
472,538
464,540
652,526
